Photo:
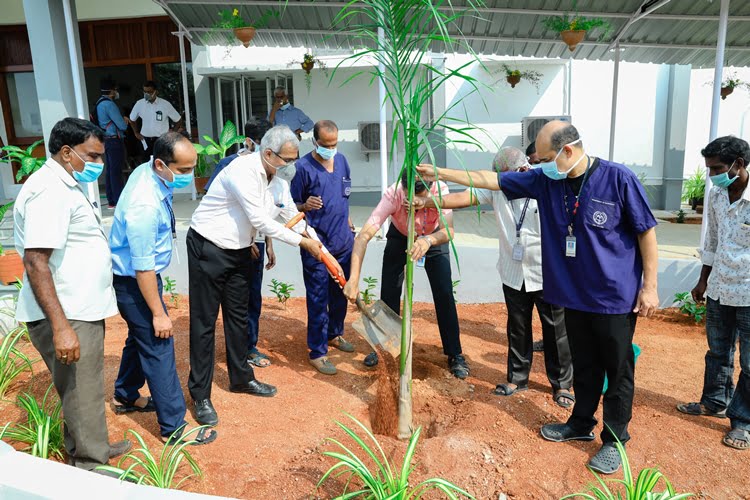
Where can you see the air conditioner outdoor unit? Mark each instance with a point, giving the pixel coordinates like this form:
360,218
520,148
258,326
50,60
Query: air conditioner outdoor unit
531,125
369,137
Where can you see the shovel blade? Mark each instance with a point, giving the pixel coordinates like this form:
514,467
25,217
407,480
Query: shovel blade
380,327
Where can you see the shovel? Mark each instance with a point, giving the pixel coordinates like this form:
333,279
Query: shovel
378,324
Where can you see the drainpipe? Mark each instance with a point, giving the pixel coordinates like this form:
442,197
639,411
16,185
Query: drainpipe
613,118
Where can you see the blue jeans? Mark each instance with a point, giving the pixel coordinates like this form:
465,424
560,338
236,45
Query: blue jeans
147,358
256,301
724,325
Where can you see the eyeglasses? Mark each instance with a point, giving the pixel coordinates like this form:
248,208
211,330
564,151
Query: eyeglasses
287,161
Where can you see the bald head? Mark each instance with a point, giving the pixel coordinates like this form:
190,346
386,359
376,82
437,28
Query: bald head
560,142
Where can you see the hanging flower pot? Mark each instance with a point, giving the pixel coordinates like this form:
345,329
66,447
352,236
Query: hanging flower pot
308,66
572,38
244,35
513,80
725,91
11,267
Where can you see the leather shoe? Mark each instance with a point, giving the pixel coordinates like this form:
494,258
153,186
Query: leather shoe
254,388
119,448
205,414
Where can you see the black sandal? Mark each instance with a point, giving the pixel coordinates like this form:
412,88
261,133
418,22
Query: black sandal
564,398
204,436
507,390
458,366
126,406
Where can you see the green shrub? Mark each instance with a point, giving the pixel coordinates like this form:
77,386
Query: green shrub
282,290
688,306
367,296
42,433
13,362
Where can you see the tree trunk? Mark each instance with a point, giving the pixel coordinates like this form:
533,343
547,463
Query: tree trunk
404,382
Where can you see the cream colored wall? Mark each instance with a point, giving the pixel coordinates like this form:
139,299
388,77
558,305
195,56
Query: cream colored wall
12,10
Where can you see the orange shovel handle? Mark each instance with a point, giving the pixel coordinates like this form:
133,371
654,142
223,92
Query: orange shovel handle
294,220
330,264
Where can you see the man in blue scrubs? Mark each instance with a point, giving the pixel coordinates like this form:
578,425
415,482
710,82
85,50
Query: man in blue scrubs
321,188
142,238
595,223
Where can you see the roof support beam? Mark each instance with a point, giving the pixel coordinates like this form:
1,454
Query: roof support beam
647,7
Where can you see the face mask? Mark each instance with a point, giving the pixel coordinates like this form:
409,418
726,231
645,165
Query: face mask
550,167
179,180
287,172
91,171
325,153
116,96
723,180
149,97
285,106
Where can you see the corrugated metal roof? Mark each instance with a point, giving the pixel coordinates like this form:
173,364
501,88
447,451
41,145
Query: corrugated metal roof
679,32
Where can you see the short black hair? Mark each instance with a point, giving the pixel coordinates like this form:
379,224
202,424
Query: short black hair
165,144
564,136
256,129
727,149
107,85
72,132
531,148
419,185
324,125
150,83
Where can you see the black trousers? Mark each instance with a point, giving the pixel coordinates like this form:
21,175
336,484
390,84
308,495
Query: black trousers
438,268
150,146
602,343
217,278
557,360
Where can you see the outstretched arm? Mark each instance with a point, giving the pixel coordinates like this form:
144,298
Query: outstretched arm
481,179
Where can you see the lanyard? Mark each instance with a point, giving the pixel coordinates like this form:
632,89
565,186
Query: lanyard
520,219
571,217
171,219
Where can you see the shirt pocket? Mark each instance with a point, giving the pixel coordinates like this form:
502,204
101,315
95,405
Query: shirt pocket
602,214
346,187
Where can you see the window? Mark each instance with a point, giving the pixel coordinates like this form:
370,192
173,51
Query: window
24,104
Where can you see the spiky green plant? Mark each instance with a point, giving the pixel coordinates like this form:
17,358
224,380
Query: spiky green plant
384,481
13,362
410,30
42,433
146,468
641,487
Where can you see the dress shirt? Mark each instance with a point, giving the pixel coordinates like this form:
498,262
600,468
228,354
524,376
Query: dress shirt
142,230
727,248
426,221
51,211
155,116
241,203
508,213
294,118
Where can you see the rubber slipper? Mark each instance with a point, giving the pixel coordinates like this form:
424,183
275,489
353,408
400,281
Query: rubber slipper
507,390
204,436
126,406
564,398
257,358
371,360
737,435
699,409
606,461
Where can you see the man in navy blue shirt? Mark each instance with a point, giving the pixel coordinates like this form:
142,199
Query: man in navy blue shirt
599,262
321,188
114,125
254,132
284,113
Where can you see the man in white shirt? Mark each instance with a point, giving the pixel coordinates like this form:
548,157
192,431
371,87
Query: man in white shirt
69,284
155,114
520,268
240,204
725,284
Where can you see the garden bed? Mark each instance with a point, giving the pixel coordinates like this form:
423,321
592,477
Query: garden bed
271,448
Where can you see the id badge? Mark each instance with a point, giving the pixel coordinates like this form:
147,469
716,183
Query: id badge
420,262
518,252
570,246
159,116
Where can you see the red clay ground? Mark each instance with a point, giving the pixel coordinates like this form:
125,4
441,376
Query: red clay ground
271,448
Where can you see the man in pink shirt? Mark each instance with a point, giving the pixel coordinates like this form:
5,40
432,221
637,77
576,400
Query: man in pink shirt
430,251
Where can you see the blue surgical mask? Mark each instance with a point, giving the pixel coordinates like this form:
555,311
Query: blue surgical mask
723,180
325,153
550,167
91,170
179,180
285,106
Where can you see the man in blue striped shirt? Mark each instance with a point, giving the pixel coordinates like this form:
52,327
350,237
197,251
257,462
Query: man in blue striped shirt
114,125
142,239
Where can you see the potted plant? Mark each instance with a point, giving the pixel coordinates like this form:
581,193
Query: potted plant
11,264
244,31
573,28
28,163
309,61
693,190
730,83
514,76
227,139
